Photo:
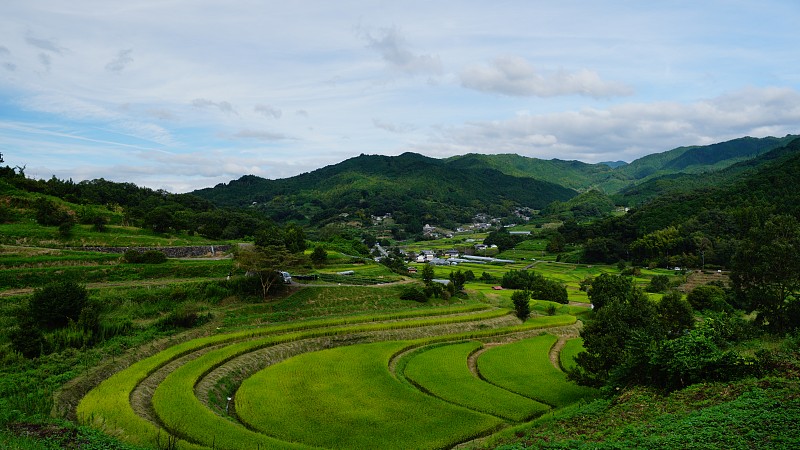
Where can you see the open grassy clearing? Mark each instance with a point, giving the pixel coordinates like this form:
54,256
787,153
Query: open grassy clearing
443,372
525,368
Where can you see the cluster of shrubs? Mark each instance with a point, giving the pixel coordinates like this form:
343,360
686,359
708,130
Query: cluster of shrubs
148,257
540,288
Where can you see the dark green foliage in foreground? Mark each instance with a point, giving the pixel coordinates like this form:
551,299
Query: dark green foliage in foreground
57,303
755,414
708,298
631,340
147,257
766,273
414,293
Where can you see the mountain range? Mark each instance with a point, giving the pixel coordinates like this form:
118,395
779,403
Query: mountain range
419,189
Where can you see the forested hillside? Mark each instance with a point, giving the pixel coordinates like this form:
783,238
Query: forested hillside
415,189
691,226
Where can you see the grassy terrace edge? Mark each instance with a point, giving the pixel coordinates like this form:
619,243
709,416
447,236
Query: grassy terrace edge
107,406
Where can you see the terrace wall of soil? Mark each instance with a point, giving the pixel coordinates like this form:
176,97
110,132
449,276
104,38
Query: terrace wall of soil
171,252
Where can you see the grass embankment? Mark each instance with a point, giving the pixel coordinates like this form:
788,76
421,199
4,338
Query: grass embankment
108,406
443,372
567,355
32,234
329,398
746,414
524,367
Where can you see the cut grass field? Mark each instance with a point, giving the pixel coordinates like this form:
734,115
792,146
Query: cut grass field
443,372
524,367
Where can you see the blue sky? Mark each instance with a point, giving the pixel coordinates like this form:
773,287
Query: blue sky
185,94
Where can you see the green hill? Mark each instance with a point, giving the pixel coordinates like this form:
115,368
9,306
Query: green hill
412,187
765,152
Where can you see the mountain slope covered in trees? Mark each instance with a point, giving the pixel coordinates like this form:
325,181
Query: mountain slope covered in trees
412,187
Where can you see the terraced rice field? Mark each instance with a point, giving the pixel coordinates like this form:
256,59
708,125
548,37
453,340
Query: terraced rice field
524,367
399,380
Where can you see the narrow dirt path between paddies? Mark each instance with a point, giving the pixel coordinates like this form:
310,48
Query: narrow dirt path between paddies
143,393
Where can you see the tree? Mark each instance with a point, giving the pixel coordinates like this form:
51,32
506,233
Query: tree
265,263
606,288
319,256
659,283
57,303
521,300
458,279
766,273
616,339
160,220
675,313
556,243
708,297
294,238
427,273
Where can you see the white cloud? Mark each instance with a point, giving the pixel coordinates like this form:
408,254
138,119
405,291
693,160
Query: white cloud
223,106
121,61
268,111
393,48
49,45
515,76
392,127
46,61
260,135
628,131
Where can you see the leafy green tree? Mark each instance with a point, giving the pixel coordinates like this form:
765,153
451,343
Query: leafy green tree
606,288
160,220
56,304
28,340
427,274
708,297
294,238
49,214
521,300
556,244
319,256
659,283
617,337
458,279
266,263
675,313
766,273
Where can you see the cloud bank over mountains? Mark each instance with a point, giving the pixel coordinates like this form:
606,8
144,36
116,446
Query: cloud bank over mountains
185,94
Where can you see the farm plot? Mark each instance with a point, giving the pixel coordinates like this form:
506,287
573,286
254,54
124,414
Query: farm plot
321,398
107,407
443,372
524,367
571,348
